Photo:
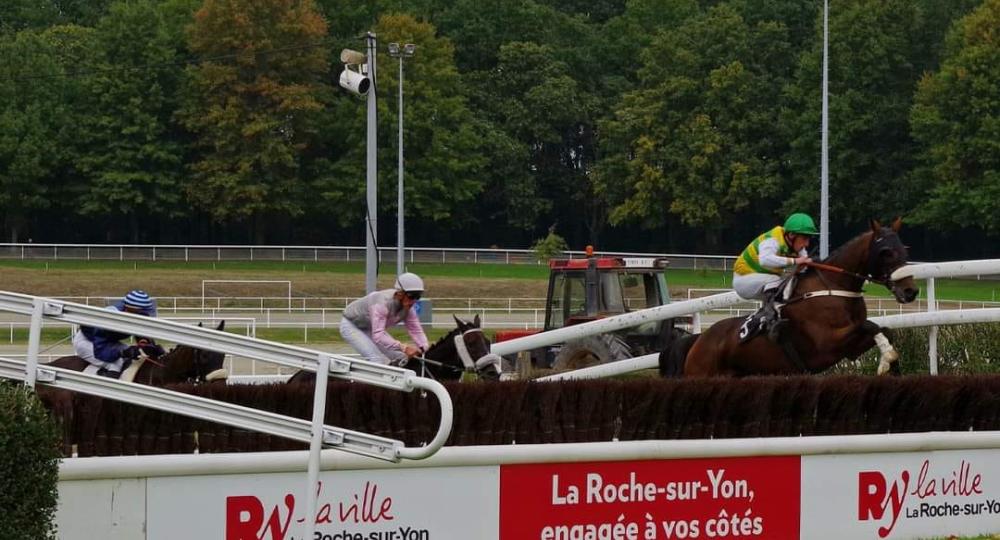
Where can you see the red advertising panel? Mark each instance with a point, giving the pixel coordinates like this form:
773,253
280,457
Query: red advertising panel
646,500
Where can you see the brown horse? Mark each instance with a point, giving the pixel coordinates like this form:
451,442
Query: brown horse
182,364
826,316
79,412
463,350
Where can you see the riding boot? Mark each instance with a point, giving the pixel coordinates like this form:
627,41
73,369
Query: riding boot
769,316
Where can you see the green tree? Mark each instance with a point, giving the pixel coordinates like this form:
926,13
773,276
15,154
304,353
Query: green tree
877,54
696,139
18,15
39,112
133,157
250,103
956,121
442,142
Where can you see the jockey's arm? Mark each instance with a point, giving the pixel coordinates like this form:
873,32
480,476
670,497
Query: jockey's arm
416,330
379,316
768,255
107,350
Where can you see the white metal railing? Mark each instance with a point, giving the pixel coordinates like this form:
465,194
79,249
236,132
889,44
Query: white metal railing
287,355
199,407
695,306
181,252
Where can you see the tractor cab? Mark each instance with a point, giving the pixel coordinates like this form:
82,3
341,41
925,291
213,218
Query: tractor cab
595,287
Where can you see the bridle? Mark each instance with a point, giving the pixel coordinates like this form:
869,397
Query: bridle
884,279
484,361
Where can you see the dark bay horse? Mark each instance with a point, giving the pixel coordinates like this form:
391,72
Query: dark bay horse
462,350
79,413
826,313
181,364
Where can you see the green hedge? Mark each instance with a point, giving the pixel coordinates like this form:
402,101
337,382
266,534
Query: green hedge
29,466
963,349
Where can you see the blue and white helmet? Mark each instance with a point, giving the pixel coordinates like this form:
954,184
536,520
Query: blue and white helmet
140,300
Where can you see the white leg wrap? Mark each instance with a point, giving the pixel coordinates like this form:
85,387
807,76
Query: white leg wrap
889,354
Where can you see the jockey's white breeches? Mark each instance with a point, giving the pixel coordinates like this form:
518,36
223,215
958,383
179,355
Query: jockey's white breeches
753,286
366,346
83,348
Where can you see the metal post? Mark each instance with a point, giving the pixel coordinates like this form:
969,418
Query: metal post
371,221
824,195
399,217
933,335
34,341
316,444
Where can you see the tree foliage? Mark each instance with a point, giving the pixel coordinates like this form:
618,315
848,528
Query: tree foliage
222,120
956,120
249,102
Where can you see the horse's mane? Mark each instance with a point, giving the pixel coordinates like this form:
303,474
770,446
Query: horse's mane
843,247
443,339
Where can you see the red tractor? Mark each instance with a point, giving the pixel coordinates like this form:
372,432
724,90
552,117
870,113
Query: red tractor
583,290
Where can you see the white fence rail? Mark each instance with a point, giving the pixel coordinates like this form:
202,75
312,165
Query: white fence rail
218,253
932,317
287,355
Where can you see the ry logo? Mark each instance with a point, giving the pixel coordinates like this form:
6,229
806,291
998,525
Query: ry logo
875,497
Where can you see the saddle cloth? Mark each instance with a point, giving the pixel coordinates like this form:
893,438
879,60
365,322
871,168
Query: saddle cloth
128,375
753,323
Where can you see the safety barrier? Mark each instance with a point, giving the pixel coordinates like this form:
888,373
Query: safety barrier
909,485
932,317
333,365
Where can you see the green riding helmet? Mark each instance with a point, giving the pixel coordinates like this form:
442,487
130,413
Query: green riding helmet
800,224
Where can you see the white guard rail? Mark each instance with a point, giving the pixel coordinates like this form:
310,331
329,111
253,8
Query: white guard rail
931,317
339,366
611,324
202,408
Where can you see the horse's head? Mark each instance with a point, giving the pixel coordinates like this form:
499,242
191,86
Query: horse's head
191,364
474,348
886,255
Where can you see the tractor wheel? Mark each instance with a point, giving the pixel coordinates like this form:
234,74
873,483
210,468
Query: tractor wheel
591,351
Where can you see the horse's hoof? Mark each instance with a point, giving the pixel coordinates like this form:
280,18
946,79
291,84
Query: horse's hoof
883,367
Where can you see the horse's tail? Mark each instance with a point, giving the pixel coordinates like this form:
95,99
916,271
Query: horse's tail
672,358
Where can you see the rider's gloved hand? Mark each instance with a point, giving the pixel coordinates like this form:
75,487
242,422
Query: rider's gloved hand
153,350
802,260
131,352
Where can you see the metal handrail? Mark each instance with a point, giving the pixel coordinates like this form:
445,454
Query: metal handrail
340,366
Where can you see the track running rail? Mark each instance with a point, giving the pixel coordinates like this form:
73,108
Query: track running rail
342,367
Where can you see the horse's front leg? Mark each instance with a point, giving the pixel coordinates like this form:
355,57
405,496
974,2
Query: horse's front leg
870,334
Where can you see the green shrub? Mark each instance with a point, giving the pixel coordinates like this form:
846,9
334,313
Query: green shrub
29,466
963,349
551,246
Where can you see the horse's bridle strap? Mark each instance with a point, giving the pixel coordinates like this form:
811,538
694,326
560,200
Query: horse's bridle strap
463,352
832,292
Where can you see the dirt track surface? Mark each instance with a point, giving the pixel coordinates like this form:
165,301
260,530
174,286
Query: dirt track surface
179,282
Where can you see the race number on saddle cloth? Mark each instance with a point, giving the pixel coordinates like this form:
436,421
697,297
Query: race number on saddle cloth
366,322
758,271
103,349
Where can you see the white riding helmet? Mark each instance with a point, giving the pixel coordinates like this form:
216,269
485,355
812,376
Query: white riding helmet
409,282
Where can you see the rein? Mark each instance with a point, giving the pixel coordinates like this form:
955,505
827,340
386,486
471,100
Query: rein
839,270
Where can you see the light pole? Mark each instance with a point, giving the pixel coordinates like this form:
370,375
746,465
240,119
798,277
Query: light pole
824,175
396,52
358,78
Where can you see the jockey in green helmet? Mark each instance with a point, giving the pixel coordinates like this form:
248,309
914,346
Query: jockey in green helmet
758,270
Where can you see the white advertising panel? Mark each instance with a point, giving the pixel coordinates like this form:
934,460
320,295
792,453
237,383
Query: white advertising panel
385,504
901,495
106,509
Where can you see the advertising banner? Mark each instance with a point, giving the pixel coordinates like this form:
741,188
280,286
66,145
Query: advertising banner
901,495
400,504
651,500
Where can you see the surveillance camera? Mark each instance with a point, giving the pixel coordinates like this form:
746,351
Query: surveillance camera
355,82
348,56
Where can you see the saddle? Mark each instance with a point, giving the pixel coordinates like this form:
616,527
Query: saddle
128,375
